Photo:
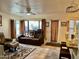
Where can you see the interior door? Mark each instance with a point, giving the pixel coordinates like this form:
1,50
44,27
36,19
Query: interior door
13,31
54,30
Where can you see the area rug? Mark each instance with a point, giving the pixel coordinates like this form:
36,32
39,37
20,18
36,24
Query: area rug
21,53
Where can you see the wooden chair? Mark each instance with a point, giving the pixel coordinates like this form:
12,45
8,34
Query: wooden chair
64,51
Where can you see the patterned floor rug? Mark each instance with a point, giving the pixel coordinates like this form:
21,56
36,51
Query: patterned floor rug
21,53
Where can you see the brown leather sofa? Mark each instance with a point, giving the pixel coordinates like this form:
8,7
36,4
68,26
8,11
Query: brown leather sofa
37,40
3,40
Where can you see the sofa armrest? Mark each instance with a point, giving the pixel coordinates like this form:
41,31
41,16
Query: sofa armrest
8,39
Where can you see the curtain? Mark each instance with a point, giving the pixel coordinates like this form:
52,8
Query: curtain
13,28
67,26
22,26
44,27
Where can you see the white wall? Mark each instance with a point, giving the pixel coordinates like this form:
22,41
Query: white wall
48,31
61,31
5,28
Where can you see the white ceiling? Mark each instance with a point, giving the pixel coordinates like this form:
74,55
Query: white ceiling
38,6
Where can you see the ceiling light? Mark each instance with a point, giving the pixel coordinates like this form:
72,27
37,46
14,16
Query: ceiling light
72,8
28,14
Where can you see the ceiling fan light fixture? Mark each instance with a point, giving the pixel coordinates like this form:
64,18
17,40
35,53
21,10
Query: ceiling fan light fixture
28,9
28,13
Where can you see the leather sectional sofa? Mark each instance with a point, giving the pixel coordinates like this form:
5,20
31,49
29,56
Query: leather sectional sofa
38,38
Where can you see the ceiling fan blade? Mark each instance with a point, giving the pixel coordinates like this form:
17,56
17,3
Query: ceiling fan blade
21,12
20,4
32,13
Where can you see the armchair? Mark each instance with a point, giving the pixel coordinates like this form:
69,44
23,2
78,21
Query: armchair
3,41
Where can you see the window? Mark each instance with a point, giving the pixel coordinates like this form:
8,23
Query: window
71,28
26,26
17,28
29,26
77,25
32,25
74,28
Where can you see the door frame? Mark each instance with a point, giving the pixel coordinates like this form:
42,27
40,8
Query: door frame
51,28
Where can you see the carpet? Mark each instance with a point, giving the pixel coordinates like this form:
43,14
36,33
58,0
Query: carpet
21,53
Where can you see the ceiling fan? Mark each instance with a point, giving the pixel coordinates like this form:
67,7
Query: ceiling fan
28,8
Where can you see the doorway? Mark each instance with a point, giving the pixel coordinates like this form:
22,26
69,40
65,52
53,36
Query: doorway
54,30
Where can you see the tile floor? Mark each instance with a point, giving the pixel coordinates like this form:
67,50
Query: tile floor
45,52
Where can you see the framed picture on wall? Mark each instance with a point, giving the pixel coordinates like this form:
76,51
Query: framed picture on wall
63,23
0,20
